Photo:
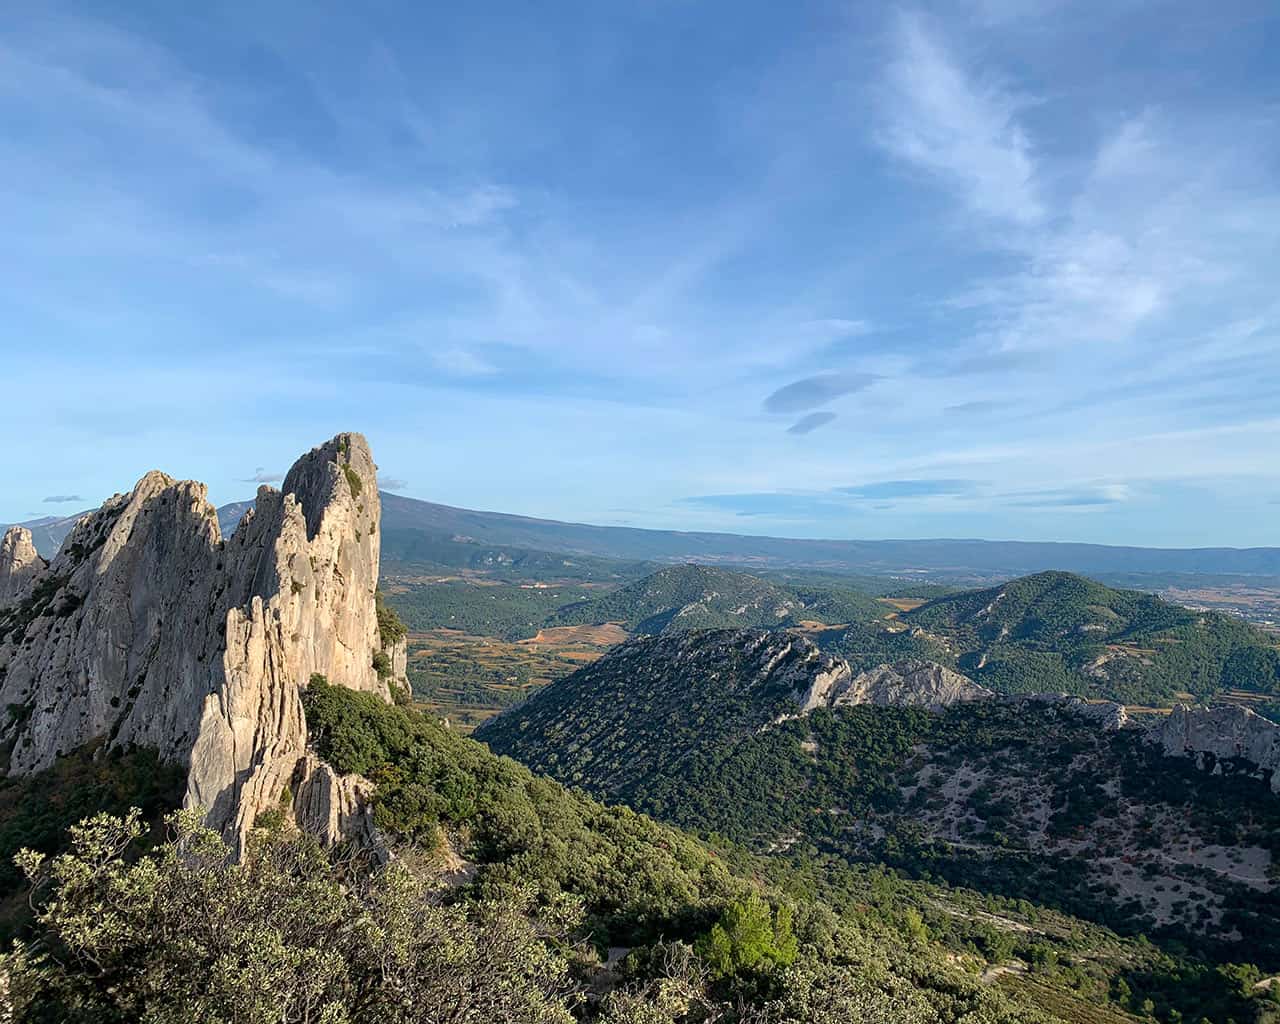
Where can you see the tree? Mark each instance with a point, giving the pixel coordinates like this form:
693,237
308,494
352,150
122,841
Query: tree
748,936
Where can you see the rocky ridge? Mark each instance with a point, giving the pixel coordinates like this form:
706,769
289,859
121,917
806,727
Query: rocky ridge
1225,737
19,564
150,628
911,682
764,677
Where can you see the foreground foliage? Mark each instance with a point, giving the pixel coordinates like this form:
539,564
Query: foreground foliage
543,883
187,936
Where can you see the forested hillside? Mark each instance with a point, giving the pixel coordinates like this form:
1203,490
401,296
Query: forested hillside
553,908
1059,632
1030,799
703,597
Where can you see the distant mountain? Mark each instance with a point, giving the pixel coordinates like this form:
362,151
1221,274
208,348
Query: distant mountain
940,558
229,516
421,531
1055,631
48,532
703,596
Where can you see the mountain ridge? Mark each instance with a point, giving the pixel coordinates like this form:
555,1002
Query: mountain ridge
939,556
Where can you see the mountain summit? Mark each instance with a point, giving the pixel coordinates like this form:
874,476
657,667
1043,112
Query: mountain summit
151,629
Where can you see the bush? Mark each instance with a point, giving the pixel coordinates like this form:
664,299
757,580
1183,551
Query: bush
189,937
748,937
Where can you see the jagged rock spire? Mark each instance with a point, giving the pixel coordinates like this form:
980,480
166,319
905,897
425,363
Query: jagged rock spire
19,564
149,628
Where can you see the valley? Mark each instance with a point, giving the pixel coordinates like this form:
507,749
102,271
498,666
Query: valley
789,792
475,646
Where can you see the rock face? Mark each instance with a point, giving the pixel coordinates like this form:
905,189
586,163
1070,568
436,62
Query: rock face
907,683
399,654
149,628
1106,714
912,682
19,564
1222,737
333,807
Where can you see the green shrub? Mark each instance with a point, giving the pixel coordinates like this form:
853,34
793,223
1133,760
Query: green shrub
353,481
748,937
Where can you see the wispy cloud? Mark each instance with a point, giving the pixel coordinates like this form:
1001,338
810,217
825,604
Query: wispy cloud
980,407
1045,252
462,363
959,127
263,476
808,424
910,489
61,499
1084,497
817,390
391,483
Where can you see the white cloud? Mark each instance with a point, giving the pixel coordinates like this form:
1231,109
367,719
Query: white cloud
959,127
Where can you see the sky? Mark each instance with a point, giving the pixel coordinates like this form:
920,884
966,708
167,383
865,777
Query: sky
985,268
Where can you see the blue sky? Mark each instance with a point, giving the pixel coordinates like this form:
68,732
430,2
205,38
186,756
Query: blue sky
998,268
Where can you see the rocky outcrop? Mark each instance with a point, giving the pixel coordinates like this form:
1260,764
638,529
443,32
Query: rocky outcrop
149,628
1106,714
398,652
334,808
1226,737
912,683
19,564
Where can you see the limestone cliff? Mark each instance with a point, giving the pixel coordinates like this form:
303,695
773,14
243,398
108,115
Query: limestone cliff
149,628
19,564
912,682
1222,736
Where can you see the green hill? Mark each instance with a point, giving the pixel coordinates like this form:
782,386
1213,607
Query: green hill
705,597
1058,632
1032,800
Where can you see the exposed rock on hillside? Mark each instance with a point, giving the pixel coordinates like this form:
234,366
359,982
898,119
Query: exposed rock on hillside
148,628
1221,738
655,701
331,806
19,564
1106,714
912,683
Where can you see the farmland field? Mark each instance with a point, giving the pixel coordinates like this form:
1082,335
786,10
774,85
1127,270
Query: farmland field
467,678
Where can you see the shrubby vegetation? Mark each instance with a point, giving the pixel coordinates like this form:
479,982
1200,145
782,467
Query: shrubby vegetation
295,934
840,788
391,628
503,610
36,810
187,936
1056,632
